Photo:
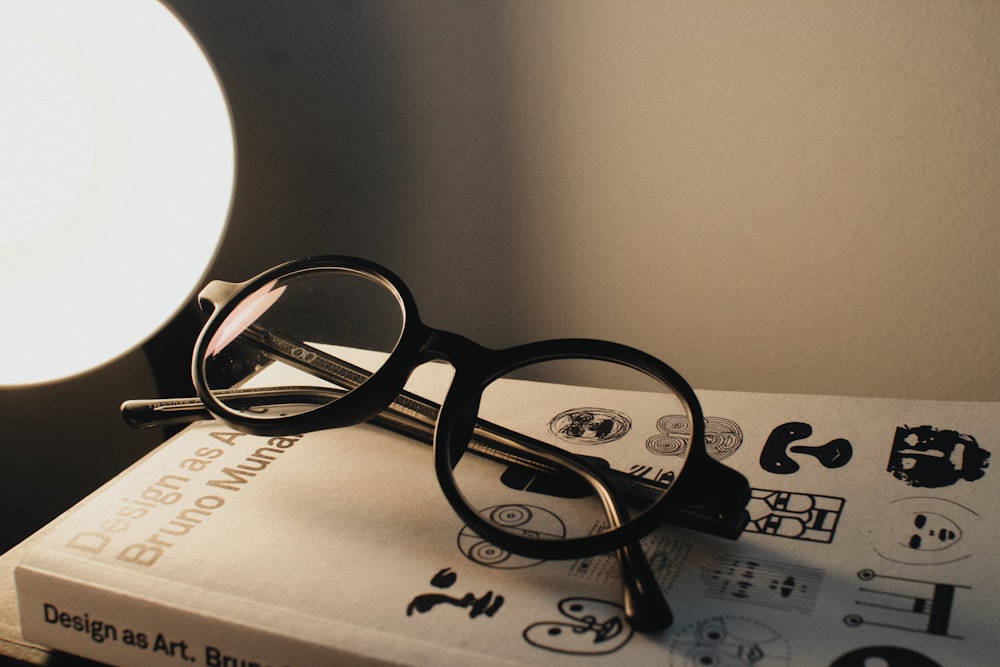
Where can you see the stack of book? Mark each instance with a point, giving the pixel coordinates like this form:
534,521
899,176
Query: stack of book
870,537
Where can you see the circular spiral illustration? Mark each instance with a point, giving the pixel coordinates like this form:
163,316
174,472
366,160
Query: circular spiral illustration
526,520
722,436
665,444
674,424
853,621
487,554
510,516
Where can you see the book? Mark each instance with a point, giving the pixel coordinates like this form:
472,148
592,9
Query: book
870,537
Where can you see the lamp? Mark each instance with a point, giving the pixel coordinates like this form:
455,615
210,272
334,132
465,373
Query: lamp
116,178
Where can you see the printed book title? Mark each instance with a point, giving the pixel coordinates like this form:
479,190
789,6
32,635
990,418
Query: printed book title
103,632
196,503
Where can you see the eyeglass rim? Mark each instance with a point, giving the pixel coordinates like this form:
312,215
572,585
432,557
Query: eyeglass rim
354,407
385,384
462,394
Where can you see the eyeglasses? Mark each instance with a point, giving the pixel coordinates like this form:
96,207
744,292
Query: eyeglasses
547,450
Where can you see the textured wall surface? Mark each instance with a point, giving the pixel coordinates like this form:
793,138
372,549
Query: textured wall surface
772,196
777,196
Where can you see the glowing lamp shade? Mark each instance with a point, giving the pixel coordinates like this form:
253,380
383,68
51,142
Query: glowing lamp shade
116,179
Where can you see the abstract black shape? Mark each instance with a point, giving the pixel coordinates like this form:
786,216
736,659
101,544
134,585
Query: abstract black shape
888,656
924,456
774,457
833,454
901,603
523,478
485,605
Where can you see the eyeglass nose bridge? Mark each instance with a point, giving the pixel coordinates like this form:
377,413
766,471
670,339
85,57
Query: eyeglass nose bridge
464,354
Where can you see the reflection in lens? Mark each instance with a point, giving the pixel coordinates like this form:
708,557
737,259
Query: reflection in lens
597,411
302,341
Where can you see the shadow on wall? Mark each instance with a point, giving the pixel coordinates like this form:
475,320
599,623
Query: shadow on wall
784,198
318,127
325,166
332,140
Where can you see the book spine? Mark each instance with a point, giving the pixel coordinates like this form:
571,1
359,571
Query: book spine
111,627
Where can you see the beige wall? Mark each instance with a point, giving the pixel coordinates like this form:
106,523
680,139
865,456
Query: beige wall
771,196
786,197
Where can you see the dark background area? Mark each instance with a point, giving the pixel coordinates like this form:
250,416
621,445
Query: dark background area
324,132
281,65
781,198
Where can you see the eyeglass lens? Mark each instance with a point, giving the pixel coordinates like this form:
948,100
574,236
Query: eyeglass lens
305,339
275,339
601,412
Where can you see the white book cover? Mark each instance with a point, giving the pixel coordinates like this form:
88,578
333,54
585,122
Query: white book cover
871,541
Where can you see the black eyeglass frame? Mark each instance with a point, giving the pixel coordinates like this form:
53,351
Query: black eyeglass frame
475,368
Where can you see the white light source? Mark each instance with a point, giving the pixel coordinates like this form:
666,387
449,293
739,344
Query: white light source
116,178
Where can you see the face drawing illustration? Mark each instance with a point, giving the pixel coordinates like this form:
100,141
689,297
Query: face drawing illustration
729,641
588,627
923,530
924,456
933,532
799,516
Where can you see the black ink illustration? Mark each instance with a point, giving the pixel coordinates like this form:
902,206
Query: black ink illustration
762,583
798,516
524,519
906,604
589,627
484,605
674,433
923,531
527,520
722,436
729,641
656,474
774,457
666,556
886,656
590,426
523,478
924,456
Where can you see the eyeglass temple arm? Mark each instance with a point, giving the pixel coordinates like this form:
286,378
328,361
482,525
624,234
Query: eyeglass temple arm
409,415
712,499
645,606
717,511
